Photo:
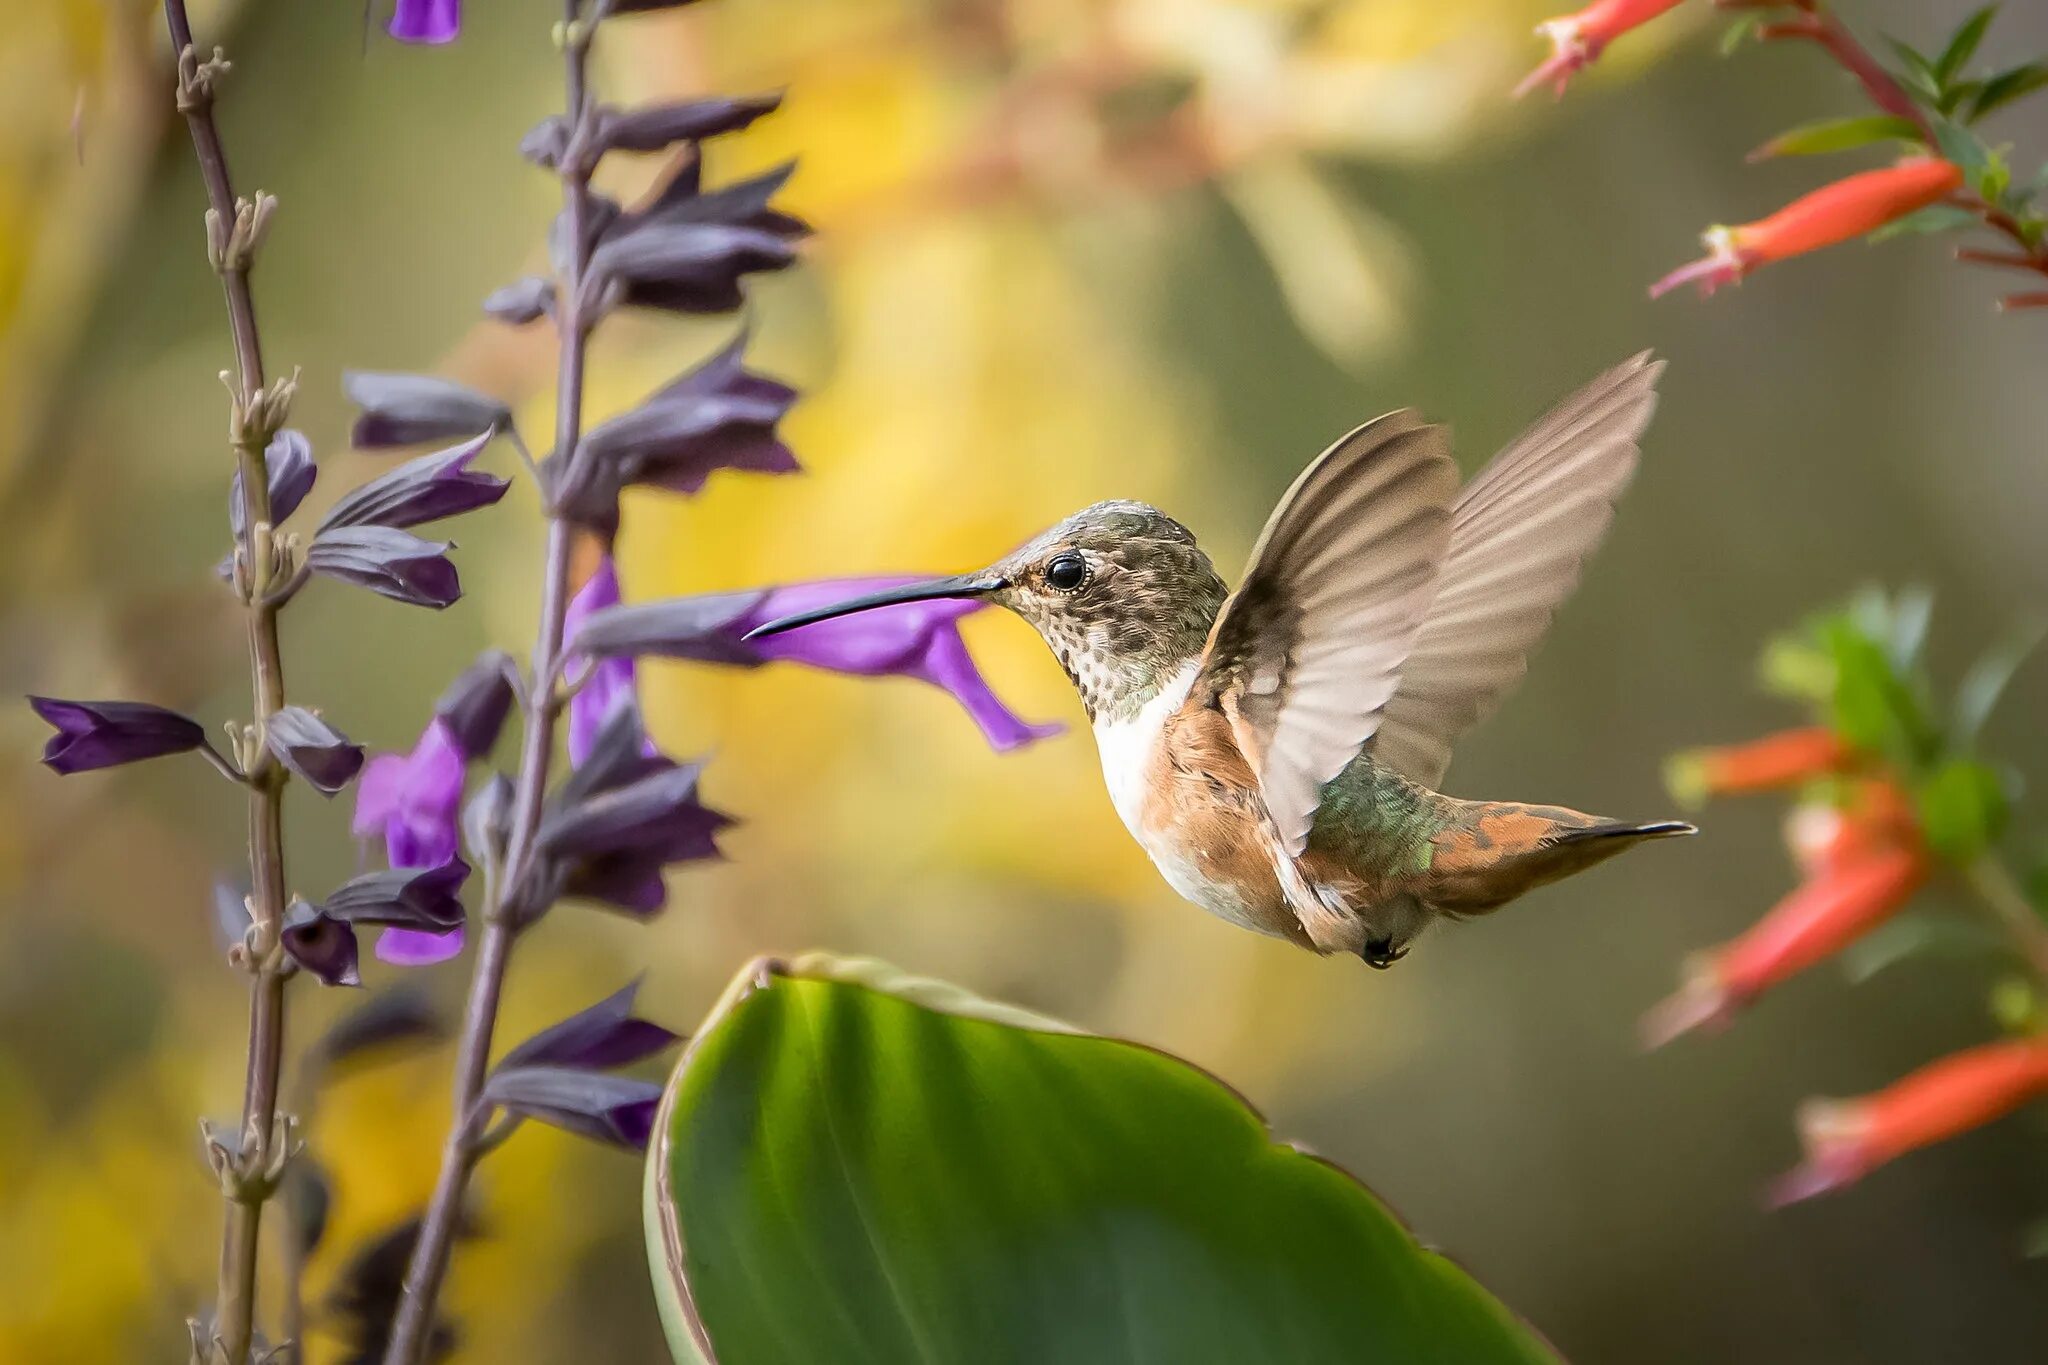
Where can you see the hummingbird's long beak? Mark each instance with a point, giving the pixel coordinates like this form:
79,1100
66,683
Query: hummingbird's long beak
960,585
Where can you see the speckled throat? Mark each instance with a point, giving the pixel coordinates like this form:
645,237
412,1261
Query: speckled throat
1121,644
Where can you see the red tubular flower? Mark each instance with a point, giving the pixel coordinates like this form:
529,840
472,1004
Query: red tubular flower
1820,917
1576,39
1784,759
1833,213
1825,835
1847,1139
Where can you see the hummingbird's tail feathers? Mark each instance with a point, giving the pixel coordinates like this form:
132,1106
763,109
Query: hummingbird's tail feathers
1656,829
1501,849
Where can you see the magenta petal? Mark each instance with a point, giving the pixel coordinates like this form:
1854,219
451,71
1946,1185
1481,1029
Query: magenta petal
417,947
868,643
609,686
947,664
377,795
426,21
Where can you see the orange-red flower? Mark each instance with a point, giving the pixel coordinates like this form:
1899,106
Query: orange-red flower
1833,213
1847,1139
1576,39
1822,915
1873,814
1784,759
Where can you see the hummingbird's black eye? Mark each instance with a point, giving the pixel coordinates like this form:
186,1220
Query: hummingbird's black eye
1066,572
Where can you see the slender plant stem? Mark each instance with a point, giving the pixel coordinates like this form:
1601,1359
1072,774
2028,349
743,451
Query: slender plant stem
2003,897
468,1140
258,1158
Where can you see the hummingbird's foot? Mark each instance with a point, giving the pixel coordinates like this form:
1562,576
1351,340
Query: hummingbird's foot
1380,953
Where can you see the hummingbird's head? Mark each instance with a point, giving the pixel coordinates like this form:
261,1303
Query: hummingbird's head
1120,592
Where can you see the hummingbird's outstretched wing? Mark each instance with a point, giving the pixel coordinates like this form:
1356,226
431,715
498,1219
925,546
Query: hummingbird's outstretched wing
1519,532
1310,646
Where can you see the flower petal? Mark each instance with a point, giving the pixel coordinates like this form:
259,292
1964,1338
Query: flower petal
103,734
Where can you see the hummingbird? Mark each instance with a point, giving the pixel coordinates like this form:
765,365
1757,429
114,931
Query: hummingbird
1277,750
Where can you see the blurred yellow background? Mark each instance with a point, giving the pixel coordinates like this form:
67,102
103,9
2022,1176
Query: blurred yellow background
1015,306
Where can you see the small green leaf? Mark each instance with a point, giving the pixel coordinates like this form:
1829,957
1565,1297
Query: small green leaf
1873,708
1797,668
1916,933
1962,809
1918,72
1837,135
1956,96
1986,681
1963,45
2007,86
1933,218
1740,31
1962,147
1905,634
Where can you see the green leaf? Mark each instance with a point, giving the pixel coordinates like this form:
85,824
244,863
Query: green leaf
2034,1239
2007,86
1962,808
853,1166
1740,31
1917,72
1914,934
1837,135
1986,681
1933,218
1963,45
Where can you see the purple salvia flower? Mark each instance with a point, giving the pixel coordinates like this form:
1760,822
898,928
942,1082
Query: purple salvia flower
912,639
610,684
413,801
426,21
622,817
103,734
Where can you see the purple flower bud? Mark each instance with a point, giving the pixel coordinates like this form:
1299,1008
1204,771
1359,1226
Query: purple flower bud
103,734
719,415
422,490
411,800
599,1038
322,944
289,460
611,1109
313,749
475,705
388,562
419,907
688,252
425,21
912,639
621,817
409,897
655,127
406,409
523,301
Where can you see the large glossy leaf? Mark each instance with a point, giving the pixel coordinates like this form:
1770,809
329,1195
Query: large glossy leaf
853,1166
